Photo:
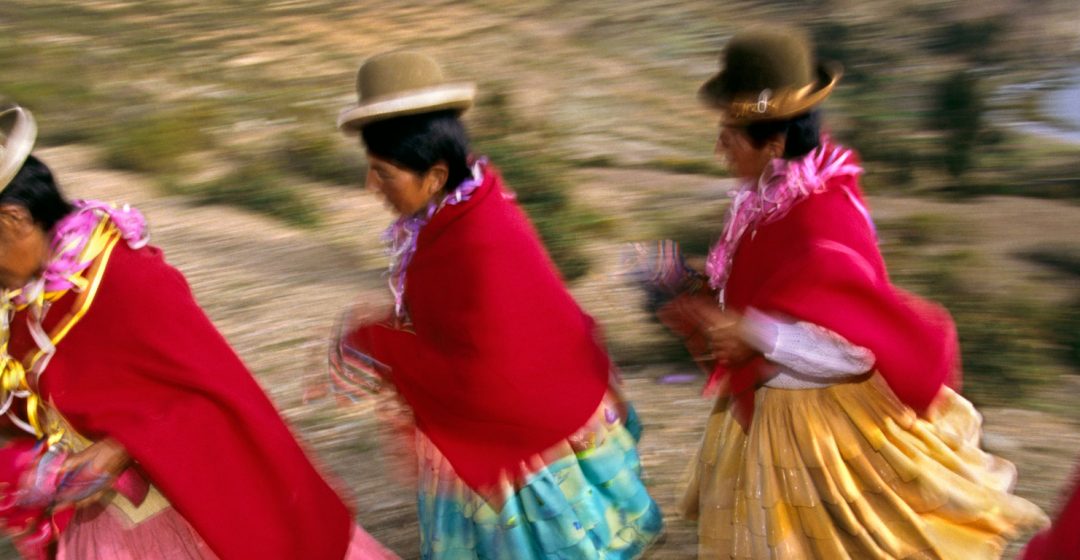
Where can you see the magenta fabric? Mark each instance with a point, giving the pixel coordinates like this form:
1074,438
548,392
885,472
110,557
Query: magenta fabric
29,527
104,533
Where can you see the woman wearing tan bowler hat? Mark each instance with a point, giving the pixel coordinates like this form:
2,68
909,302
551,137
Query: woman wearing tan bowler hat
835,434
525,449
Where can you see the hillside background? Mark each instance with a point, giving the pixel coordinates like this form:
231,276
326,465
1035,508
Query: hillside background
216,118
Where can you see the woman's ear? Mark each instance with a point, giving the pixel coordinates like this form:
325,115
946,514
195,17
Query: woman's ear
16,220
776,146
435,178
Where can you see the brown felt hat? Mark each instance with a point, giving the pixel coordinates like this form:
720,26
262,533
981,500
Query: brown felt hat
400,83
18,131
767,75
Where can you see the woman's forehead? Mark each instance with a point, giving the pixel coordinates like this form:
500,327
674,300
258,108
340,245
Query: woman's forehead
376,161
730,124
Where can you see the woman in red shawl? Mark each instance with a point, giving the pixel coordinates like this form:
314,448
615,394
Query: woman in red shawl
835,435
141,416
524,448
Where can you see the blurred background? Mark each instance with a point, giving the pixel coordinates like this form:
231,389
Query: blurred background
216,118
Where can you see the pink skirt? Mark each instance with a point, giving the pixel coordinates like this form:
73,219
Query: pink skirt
105,533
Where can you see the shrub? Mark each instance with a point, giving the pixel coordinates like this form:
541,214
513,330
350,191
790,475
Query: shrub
1003,342
321,157
1065,326
538,175
958,114
155,142
256,187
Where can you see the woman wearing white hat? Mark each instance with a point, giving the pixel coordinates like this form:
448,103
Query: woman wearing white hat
153,440
525,449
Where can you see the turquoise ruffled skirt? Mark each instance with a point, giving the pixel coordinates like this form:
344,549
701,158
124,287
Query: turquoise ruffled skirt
588,503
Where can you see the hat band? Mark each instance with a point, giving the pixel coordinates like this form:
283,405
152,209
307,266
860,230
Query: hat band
770,105
447,96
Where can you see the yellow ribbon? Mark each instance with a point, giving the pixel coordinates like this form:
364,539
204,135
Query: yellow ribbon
13,375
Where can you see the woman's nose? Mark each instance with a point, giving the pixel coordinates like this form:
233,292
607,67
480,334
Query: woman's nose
720,145
370,183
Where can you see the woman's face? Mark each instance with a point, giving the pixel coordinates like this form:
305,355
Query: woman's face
24,247
737,150
403,189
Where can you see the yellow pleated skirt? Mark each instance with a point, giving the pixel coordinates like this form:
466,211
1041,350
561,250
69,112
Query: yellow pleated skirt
849,471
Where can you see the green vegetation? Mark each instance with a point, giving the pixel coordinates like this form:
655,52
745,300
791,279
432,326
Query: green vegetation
1065,326
320,156
1004,339
155,141
1063,259
538,176
129,79
1063,323
673,164
958,114
917,104
256,187
161,92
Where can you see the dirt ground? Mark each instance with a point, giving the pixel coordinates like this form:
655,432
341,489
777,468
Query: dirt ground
275,291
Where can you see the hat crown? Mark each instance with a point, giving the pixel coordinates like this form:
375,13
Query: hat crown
768,74
399,83
397,72
18,131
765,59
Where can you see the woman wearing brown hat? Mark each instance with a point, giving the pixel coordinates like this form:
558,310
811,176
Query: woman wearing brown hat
148,437
524,448
836,434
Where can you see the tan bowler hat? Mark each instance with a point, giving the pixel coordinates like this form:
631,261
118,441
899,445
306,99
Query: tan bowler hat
768,74
400,83
18,131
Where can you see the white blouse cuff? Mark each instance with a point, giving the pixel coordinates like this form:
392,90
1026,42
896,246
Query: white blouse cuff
803,349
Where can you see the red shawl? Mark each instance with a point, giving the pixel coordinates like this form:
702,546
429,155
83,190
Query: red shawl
146,367
820,263
1062,539
500,362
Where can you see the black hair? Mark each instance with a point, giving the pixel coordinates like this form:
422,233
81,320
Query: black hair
802,133
35,189
418,142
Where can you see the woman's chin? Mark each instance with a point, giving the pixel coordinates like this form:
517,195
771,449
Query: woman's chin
12,283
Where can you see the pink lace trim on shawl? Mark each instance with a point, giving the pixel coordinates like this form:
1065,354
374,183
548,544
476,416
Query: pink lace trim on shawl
403,233
69,238
782,185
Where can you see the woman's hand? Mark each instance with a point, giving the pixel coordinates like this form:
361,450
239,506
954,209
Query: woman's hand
723,337
712,335
364,313
97,465
696,263
727,345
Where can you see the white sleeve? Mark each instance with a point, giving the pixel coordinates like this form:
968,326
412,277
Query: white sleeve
807,350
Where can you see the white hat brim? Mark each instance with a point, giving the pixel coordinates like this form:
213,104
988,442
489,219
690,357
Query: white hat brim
18,143
448,96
